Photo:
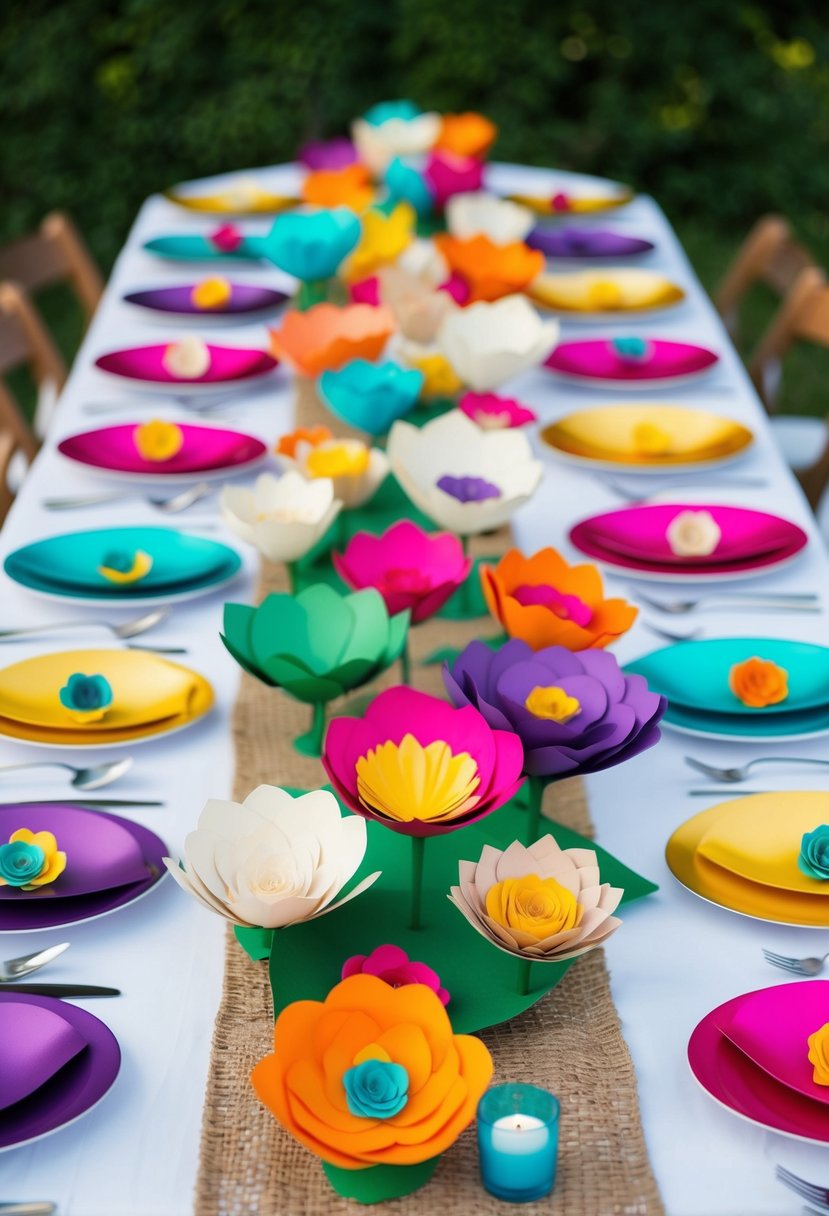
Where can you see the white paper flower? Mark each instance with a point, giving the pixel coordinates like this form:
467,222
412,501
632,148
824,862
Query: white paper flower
466,479
488,344
188,359
273,860
378,144
541,902
417,307
482,214
356,470
283,516
423,259
693,534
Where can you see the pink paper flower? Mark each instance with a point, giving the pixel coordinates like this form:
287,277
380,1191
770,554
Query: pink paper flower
457,287
409,567
449,174
492,412
365,291
226,238
393,966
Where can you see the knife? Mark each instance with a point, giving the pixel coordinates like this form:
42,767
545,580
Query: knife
57,990
31,1208
90,802
729,790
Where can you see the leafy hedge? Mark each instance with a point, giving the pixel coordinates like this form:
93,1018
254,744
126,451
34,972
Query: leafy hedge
720,109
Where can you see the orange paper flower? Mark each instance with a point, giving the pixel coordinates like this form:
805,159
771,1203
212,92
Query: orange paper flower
758,683
467,134
311,435
546,602
347,187
439,1076
324,337
490,270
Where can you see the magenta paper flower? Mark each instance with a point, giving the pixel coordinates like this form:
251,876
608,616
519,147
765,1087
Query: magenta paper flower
493,413
419,766
448,174
393,966
409,567
227,238
365,291
327,153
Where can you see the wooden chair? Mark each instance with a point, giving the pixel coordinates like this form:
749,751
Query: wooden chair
768,255
55,253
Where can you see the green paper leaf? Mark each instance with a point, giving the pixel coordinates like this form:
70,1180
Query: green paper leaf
328,624
255,942
444,654
379,1182
468,601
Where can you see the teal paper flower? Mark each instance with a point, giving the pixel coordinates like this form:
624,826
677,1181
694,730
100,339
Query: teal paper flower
88,696
376,1089
371,396
405,183
814,853
311,245
384,111
20,863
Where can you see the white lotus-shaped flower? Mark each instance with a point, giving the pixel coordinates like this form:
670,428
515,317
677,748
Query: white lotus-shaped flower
482,214
542,903
490,343
378,144
466,479
693,534
417,307
273,860
283,517
356,470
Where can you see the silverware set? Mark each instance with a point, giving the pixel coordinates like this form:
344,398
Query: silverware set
15,970
167,506
124,631
783,601
95,777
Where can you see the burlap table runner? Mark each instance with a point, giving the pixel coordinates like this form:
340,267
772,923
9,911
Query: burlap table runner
570,1042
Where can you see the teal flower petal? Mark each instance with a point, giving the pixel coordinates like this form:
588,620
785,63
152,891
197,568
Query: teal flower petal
20,862
371,396
384,111
406,184
311,245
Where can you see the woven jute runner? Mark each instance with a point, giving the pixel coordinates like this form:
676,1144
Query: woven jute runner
570,1042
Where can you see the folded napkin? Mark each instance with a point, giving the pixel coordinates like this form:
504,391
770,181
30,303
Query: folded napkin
604,291
641,532
35,1044
627,433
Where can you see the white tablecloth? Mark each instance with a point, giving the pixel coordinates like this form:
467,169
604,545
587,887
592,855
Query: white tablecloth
675,958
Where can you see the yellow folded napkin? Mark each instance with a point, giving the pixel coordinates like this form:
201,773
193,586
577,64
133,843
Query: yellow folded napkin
604,291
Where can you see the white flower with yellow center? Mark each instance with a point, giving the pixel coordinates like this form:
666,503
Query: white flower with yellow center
283,517
488,344
480,214
356,470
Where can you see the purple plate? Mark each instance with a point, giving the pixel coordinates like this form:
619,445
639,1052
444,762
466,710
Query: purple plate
76,830
244,298
73,1089
228,364
586,243
205,449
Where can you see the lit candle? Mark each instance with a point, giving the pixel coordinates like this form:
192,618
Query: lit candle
518,1141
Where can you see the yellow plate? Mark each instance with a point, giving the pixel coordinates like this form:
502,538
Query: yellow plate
742,855
242,201
647,436
576,204
604,291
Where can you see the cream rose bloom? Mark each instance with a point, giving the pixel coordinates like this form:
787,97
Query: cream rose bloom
482,214
488,344
693,534
283,517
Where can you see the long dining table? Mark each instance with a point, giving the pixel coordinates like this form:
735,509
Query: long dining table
676,957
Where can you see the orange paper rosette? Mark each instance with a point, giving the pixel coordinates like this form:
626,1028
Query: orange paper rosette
546,602
759,683
313,436
467,134
325,337
364,1019
490,271
347,187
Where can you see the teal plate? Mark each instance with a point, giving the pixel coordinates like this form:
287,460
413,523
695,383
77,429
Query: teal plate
200,249
694,677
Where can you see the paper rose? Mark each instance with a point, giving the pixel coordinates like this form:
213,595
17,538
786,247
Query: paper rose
493,413
632,349
397,1122
693,534
393,129
383,240
327,153
371,396
157,440
31,860
121,566
448,174
411,569
819,1055
488,344
325,336
488,270
759,683
283,517
273,860
393,966
227,238
186,360
420,767
813,859
303,437
405,183
87,698
348,186
546,602
467,134
417,307
481,214
466,479
574,713
539,902
311,245
211,293
355,470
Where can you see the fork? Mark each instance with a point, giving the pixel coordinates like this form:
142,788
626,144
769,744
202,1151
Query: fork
690,636
797,966
740,773
15,968
784,601
167,506
816,1195
629,495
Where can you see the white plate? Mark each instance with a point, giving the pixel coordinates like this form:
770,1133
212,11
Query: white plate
696,580
633,386
638,470
184,388
715,735
168,479
150,601
107,747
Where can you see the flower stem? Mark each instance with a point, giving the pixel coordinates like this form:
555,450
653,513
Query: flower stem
405,663
418,849
466,585
311,293
291,568
535,795
310,744
524,965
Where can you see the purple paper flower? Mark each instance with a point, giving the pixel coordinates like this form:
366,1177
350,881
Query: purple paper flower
328,153
468,489
394,967
574,713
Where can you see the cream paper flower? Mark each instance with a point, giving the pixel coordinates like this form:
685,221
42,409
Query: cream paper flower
488,344
693,534
417,307
466,479
273,860
188,359
541,903
356,470
480,214
283,517
377,145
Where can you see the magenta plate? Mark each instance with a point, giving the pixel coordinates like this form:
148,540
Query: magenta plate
244,298
596,359
228,364
205,449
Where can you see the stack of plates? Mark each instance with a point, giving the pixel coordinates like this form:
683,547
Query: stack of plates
634,541
598,361
245,300
145,365
206,451
588,244
601,295
694,676
150,697
191,248
751,1056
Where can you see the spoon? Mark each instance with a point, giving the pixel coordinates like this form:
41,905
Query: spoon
94,778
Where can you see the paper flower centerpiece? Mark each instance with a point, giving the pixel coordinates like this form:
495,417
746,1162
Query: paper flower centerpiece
383,240
355,470
30,860
448,174
468,134
294,443
393,129
87,698
759,683
813,859
466,479
188,359
157,440
418,308
539,902
693,534
273,860
482,214
311,245
493,413
283,517
488,344
488,270
371,396
325,337
818,1055
393,966
405,182
344,186
122,567
327,153
546,602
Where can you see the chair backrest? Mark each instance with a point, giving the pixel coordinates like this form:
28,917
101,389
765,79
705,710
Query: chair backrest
55,253
24,342
803,316
769,255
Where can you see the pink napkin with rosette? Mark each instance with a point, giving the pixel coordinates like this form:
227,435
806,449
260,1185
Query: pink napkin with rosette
641,532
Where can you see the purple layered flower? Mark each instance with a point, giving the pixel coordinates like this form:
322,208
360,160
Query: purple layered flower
574,713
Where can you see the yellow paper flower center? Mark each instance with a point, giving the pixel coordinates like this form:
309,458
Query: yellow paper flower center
552,703
406,781
372,1051
337,460
211,293
158,440
537,906
142,564
439,377
604,294
55,861
819,1055
651,440
759,683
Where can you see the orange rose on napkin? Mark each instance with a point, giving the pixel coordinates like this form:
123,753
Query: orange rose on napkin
819,1055
759,683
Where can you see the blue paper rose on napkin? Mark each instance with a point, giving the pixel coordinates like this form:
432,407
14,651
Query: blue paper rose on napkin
814,853
86,697
376,1089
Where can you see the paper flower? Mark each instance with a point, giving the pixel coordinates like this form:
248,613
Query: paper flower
533,693
393,966
158,440
211,293
346,186
546,602
30,860
466,479
393,129
493,413
273,860
363,1020
439,377
448,174
819,1054
327,153
356,470
693,534
188,359
411,569
304,436
122,567
283,517
490,343
226,238
632,349
490,271
311,245
540,903
417,307
759,683
420,767
383,239
482,214
325,337
406,183
86,697
813,859
467,134
371,396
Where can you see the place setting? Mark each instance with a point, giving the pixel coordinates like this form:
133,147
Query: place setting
213,299
602,295
631,363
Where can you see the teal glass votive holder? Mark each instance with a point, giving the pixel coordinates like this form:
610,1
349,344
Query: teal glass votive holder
518,1142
